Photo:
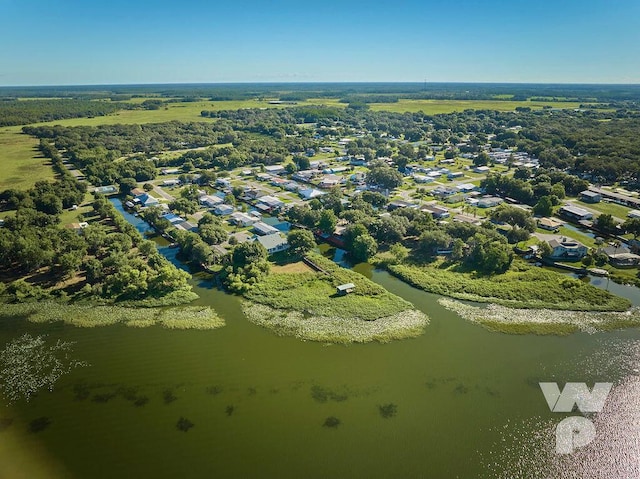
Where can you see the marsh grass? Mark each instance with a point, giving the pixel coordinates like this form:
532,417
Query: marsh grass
39,424
168,397
90,316
331,422
523,286
213,390
229,410
542,321
388,410
305,305
184,424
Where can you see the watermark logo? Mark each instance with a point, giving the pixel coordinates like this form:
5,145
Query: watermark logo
576,431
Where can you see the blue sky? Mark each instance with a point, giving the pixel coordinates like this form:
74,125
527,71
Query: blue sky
50,42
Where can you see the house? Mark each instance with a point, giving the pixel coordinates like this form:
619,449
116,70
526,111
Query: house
263,176
394,205
481,169
273,243
275,169
137,192
223,210
271,202
173,218
489,202
186,226
170,171
634,214
223,182
422,179
147,200
466,187
106,190
567,249
621,256
254,194
310,193
589,196
444,191
242,219
170,182
210,201
438,212
549,224
330,181
575,213
455,174
263,229
345,289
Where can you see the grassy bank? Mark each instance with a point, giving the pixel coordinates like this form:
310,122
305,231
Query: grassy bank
523,286
306,305
90,316
542,321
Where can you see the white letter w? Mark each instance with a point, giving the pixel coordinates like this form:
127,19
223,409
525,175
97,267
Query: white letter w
576,393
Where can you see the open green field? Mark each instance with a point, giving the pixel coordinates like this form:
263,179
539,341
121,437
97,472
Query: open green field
434,107
20,163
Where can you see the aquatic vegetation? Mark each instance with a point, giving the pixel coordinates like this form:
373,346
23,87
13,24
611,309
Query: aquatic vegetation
305,305
321,394
388,410
5,423
252,391
542,321
523,286
168,397
229,410
81,392
406,324
39,424
331,422
140,401
213,390
461,389
103,397
28,364
89,316
184,424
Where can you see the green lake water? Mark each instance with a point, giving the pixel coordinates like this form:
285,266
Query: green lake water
258,402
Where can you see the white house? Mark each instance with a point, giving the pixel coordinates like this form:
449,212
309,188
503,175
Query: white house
567,249
263,229
273,243
210,201
310,193
274,169
223,210
243,219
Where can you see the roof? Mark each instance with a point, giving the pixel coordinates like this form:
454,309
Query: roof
346,286
272,241
574,210
264,229
590,193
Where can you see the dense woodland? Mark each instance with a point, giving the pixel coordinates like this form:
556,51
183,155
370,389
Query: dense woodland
20,112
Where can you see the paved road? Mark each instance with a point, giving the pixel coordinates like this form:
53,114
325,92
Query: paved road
163,193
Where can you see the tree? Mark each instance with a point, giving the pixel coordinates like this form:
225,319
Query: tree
384,176
399,252
328,221
201,253
544,207
249,252
632,225
606,223
430,241
183,205
300,241
363,248
212,233
126,185
147,187
482,159
544,249
490,257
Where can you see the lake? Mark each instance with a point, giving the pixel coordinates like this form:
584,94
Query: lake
466,400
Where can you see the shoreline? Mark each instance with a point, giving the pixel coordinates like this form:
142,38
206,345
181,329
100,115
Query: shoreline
90,316
544,321
334,330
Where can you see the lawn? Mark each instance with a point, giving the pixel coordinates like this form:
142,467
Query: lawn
433,107
21,163
606,207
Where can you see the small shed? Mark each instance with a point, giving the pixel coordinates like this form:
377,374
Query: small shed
345,289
